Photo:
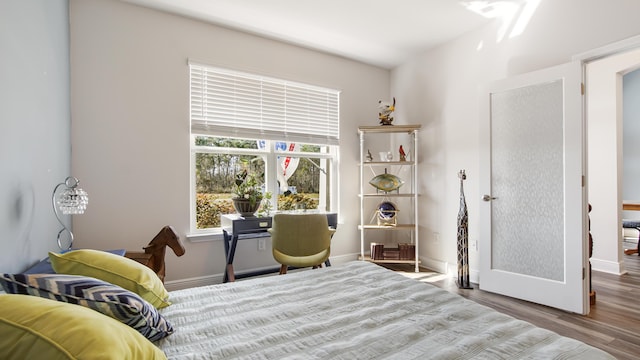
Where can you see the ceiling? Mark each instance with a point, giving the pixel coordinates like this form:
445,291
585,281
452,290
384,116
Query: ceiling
384,33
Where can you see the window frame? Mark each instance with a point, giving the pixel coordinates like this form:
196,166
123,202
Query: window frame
270,156
206,119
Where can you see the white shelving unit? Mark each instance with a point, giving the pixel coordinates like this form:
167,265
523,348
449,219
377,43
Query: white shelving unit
377,141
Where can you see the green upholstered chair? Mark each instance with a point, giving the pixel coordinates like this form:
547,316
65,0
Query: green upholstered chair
300,240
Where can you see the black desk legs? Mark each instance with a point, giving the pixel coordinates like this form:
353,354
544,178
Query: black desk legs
230,243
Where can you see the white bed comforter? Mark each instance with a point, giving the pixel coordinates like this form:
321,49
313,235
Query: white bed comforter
354,311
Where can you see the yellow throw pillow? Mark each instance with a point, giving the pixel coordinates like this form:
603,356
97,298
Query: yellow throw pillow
36,328
118,270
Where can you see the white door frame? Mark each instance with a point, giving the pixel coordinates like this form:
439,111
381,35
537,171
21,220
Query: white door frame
605,66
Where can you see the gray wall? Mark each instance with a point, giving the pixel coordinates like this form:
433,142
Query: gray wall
130,136
34,126
631,140
129,78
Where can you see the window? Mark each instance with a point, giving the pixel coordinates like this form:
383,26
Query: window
285,134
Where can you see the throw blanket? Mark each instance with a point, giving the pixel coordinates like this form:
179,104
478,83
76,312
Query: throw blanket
358,310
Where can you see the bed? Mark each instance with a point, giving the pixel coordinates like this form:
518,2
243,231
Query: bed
356,310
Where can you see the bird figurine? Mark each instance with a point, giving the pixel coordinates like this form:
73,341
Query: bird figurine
369,156
403,155
386,110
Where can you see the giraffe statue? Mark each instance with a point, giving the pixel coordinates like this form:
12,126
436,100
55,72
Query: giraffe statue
463,239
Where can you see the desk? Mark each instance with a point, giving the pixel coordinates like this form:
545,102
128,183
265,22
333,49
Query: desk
630,205
236,228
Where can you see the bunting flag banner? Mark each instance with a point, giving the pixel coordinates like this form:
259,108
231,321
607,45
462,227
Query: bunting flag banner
287,165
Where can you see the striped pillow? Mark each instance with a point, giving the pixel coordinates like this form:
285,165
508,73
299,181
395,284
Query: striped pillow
106,298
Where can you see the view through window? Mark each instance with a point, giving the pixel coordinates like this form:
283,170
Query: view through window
289,176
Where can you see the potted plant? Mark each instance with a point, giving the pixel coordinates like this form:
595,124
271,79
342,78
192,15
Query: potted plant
247,195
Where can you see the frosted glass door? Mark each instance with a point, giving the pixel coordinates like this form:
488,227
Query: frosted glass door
533,228
527,172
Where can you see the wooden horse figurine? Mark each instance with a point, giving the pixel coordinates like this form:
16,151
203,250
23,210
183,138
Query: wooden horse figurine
153,255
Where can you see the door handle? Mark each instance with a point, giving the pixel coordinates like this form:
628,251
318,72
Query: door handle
488,198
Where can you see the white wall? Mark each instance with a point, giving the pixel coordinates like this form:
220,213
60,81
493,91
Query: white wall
440,90
130,133
34,126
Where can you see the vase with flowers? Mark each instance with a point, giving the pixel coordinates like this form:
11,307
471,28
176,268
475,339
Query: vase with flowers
247,195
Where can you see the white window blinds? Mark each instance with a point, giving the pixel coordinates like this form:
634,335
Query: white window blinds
235,104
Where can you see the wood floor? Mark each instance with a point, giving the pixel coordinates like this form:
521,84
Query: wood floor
613,324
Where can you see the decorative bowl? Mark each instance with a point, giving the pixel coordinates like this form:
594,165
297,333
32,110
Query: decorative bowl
386,182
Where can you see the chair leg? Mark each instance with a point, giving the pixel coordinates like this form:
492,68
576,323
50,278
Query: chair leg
283,269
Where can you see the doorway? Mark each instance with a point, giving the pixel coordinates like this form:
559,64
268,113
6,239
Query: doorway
605,69
630,164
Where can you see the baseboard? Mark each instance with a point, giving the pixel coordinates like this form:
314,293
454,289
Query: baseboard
450,269
217,278
611,267
442,267
341,259
193,282
435,265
